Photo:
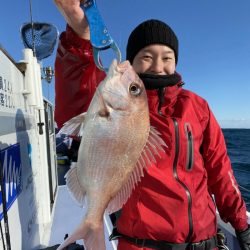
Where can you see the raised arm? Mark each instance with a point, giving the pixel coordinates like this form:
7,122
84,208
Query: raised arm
74,16
76,75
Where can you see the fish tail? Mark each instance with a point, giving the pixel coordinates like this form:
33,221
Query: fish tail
91,233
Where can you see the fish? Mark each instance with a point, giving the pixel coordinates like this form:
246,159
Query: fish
117,146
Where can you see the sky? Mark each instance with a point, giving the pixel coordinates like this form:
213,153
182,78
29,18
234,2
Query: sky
214,44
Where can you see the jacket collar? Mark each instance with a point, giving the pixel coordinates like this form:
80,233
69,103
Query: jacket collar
152,81
169,98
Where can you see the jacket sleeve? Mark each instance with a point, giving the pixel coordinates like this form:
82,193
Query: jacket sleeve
76,76
221,180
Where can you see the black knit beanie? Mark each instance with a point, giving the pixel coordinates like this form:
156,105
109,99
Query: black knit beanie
151,32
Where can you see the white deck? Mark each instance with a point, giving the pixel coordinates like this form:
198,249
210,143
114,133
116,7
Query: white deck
67,215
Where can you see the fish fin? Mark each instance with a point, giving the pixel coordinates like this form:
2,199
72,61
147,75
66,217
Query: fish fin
122,196
73,127
92,235
73,185
152,148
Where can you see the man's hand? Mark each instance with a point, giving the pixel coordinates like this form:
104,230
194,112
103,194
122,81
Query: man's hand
74,16
244,238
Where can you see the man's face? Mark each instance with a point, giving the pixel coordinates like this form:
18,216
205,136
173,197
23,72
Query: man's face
155,59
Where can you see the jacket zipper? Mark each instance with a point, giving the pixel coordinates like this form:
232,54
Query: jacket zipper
177,149
190,147
161,93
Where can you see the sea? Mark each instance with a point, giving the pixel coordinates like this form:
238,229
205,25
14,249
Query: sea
238,146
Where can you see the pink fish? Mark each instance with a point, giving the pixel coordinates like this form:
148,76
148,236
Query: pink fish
117,145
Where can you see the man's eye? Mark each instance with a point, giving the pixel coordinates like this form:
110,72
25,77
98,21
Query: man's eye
147,57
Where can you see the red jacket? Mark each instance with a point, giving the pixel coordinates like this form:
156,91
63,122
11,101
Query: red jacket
173,202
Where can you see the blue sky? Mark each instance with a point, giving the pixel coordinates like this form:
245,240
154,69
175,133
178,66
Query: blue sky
214,37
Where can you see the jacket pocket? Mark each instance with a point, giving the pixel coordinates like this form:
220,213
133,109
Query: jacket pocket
190,147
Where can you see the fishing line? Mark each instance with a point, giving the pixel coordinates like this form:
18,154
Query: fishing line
32,29
243,188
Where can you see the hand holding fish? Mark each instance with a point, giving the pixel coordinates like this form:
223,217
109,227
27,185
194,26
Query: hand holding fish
74,16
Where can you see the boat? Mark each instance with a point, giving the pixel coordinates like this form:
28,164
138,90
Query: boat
36,211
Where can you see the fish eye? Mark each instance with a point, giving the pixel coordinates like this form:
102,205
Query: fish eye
135,89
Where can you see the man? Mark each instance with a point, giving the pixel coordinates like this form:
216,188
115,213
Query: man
172,207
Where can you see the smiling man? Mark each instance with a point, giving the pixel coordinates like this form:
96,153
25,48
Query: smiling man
172,207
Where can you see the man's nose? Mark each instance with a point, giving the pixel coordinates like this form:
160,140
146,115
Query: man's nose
157,67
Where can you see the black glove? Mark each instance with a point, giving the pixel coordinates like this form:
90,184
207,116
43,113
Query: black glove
244,238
